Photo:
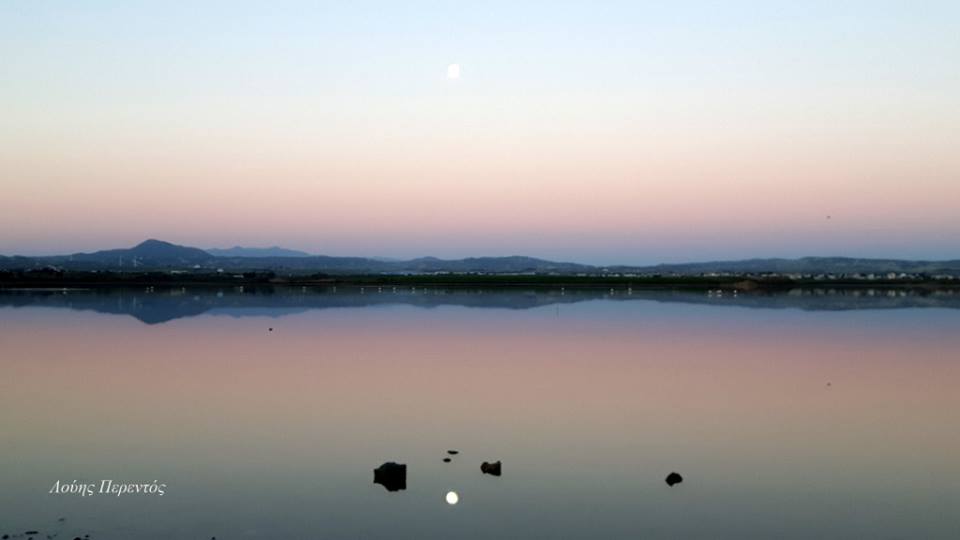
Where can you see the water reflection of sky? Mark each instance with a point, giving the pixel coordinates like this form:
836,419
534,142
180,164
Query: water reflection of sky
588,404
157,306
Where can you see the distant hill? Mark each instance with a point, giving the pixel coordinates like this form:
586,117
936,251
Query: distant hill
513,264
157,254
164,255
806,265
274,251
147,254
344,265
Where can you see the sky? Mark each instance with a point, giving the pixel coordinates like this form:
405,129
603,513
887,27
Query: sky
597,132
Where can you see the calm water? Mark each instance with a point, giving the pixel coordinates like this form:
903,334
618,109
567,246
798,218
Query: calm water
810,415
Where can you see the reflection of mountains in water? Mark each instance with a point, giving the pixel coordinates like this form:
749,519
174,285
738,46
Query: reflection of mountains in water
158,306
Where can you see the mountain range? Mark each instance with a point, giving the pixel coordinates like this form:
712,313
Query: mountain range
159,255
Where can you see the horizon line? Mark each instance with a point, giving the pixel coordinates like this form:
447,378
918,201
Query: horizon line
564,261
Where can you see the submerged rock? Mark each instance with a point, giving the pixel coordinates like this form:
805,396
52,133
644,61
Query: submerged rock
446,460
392,476
673,478
453,452
492,469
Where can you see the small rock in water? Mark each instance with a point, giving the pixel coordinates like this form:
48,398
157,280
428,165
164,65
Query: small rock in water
32,532
453,452
673,478
446,460
392,476
271,329
492,469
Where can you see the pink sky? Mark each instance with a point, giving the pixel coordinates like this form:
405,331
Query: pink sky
584,135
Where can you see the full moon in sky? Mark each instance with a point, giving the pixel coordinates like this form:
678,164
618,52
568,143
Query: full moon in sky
452,497
453,71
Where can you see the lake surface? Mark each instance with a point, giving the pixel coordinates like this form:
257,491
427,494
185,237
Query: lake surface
814,414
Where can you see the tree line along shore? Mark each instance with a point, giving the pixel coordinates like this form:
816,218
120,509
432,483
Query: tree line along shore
68,279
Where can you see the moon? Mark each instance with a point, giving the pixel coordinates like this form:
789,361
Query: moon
452,498
453,71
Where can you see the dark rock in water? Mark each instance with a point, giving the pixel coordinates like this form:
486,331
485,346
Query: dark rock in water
453,452
271,329
5,537
673,478
446,460
392,476
490,468
32,532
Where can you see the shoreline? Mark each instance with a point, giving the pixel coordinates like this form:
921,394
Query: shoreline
742,283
